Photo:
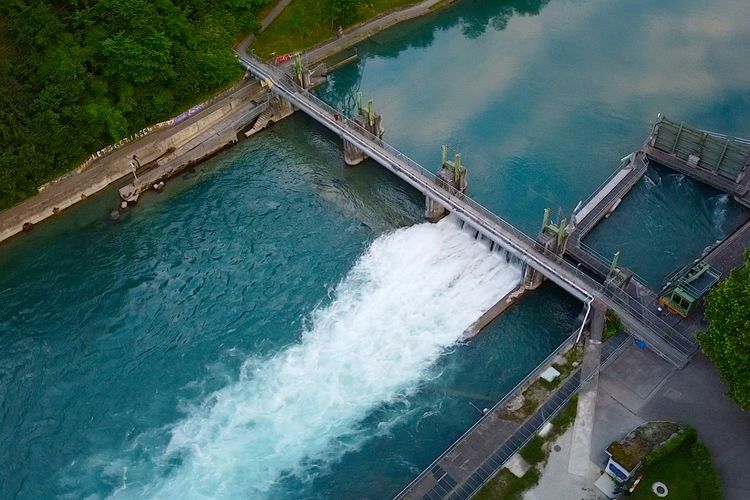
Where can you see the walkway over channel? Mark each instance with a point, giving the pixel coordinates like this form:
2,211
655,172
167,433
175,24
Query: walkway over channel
664,339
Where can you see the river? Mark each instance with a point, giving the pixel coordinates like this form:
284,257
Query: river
275,325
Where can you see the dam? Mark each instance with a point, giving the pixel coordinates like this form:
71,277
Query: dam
121,335
538,257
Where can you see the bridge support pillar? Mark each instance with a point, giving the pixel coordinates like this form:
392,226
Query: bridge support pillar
352,154
281,108
452,177
598,320
368,120
531,278
553,237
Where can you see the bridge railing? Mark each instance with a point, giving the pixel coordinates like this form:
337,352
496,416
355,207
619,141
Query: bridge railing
519,241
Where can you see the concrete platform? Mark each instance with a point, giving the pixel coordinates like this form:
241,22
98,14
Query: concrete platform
557,483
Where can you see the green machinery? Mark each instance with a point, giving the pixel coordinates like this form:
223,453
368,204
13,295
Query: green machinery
684,292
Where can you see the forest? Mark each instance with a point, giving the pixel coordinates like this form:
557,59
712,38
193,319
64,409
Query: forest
76,75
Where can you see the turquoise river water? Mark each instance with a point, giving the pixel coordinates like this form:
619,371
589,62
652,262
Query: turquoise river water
275,325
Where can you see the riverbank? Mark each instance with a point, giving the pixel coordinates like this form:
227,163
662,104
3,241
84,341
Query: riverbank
303,24
85,181
91,178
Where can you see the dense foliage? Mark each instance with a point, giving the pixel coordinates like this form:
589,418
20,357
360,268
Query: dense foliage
727,339
76,75
684,465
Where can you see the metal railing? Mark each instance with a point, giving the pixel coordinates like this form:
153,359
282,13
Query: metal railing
528,249
566,390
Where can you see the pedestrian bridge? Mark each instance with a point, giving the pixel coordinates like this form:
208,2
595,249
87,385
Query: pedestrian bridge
660,336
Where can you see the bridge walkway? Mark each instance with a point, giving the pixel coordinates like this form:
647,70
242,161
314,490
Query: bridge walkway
664,339
604,199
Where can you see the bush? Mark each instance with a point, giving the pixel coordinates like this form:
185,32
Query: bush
687,436
533,452
727,337
612,325
77,76
507,486
567,415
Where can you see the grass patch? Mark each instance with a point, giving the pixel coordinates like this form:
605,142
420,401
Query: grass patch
566,417
686,470
612,326
533,452
305,23
507,486
442,4
540,390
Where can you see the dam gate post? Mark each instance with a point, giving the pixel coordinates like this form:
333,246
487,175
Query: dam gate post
553,237
450,176
368,120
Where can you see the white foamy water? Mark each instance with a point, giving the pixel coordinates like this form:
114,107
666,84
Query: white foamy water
407,299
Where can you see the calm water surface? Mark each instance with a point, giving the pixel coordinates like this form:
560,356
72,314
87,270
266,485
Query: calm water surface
259,331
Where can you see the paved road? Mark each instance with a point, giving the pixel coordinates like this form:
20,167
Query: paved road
363,31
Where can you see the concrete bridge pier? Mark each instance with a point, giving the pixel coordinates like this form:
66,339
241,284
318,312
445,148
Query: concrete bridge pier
281,108
553,237
452,177
367,119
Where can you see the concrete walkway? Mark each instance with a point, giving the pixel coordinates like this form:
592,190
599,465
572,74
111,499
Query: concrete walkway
363,31
557,483
78,185
352,35
586,410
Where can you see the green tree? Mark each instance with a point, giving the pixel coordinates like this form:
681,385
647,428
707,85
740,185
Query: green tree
727,339
78,75
341,12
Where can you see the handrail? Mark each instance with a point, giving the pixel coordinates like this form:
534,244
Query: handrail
606,181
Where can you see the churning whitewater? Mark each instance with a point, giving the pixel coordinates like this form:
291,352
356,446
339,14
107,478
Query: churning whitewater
408,298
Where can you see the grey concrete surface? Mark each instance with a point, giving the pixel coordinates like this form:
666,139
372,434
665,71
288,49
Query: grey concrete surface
696,395
557,483
640,386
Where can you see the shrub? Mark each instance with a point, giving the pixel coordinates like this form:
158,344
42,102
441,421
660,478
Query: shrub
533,452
